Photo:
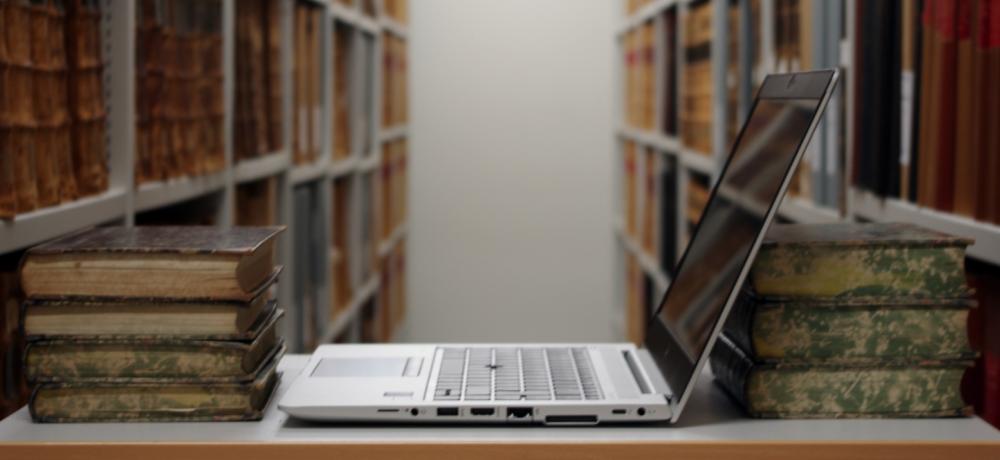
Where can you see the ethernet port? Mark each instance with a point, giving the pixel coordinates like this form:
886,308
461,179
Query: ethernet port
519,413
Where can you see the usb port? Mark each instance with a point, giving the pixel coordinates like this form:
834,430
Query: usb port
482,411
447,411
618,411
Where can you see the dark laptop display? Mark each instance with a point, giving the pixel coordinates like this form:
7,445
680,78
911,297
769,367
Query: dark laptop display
733,221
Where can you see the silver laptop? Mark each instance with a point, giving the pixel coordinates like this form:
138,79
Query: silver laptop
583,383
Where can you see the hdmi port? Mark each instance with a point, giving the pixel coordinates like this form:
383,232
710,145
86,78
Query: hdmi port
482,411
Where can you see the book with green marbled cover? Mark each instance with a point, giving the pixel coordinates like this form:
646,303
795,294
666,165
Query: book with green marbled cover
851,260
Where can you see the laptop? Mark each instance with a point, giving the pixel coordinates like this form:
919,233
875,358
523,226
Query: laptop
584,383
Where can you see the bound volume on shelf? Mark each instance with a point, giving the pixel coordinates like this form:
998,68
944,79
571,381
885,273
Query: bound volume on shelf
847,261
127,359
175,263
137,317
880,388
164,400
258,114
306,71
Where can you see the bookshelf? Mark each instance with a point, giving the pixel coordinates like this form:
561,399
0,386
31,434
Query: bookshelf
664,166
279,168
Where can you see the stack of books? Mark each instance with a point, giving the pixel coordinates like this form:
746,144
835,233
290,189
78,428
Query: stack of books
850,320
152,324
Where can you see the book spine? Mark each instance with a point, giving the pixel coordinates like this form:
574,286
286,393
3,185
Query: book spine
731,368
738,327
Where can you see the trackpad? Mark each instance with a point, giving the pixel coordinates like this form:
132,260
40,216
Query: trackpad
365,367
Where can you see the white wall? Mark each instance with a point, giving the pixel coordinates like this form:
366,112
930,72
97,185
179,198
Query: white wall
510,167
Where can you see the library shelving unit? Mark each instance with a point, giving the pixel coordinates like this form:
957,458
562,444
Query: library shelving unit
683,65
312,317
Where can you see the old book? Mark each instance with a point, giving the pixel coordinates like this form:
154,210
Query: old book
147,317
148,359
342,288
964,180
387,79
275,102
844,330
168,400
257,203
630,193
342,71
153,262
22,147
8,190
668,122
800,389
988,117
13,387
650,203
859,260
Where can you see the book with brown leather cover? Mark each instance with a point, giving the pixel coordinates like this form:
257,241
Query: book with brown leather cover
989,38
965,157
929,106
8,198
943,166
153,262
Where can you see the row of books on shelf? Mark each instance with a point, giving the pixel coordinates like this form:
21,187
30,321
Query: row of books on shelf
179,101
928,119
307,71
687,110
395,74
258,115
52,110
353,86
653,180
392,187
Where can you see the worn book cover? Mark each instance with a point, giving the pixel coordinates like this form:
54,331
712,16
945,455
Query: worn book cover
162,401
851,329
193,262
131,359
859,260
74,316
870,389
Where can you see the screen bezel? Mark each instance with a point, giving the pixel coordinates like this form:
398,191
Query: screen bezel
667,352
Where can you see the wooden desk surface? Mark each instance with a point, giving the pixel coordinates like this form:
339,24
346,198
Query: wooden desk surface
711,427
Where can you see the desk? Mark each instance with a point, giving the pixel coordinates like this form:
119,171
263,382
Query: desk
711,427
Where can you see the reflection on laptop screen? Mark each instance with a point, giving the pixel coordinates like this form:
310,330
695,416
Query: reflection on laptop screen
732,220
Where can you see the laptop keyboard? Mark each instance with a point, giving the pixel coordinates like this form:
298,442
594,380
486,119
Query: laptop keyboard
513,374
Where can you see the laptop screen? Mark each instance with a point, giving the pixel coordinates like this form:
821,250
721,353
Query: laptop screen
734,218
